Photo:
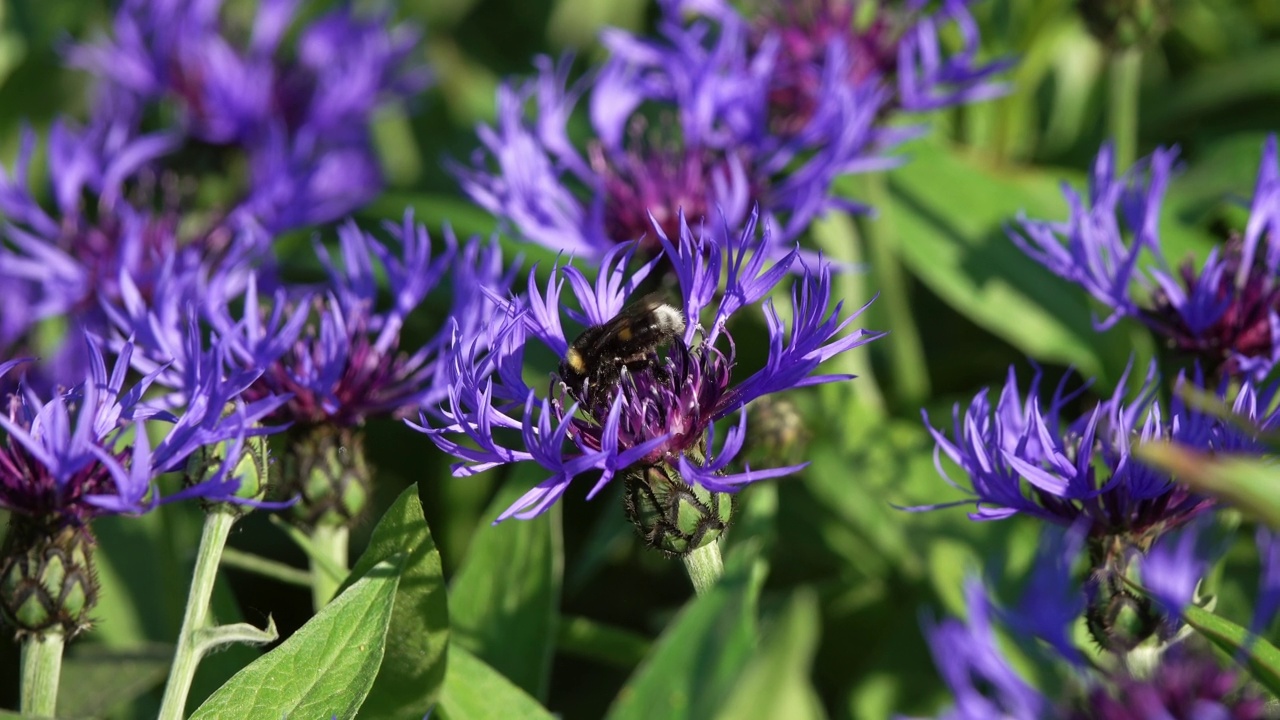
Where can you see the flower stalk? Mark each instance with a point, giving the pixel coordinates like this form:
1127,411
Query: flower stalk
41,670
329,554
217,526
705,566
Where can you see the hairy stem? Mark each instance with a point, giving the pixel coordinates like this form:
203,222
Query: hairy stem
217,526
41,670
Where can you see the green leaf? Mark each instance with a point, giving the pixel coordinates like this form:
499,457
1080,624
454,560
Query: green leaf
413,667
505,597
1251,484
97,679
1261,657
475,691
950,212
697,661
327,667
776,683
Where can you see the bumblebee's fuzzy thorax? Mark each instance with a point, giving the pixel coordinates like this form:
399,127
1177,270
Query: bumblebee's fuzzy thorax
596,360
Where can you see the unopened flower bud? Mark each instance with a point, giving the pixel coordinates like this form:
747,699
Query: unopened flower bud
251,469
47,577
672,515
325,468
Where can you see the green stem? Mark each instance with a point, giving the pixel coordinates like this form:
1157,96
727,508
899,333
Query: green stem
257,564
906,350
704,567
41,669
837,236
1124,83
587,638
217,526
330,543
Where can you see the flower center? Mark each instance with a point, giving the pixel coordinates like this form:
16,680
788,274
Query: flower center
1224,318
805,29
658,178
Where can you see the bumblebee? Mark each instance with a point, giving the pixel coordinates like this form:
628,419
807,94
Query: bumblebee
597,357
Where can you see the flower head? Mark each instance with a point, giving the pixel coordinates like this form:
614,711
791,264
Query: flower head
1023,456
302,122
896,46
643,407
71,457
334,351
1222,313
679,123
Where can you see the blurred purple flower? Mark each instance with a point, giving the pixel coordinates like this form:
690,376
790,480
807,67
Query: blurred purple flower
1175,564
1222,313
974,668
69,457
334,352
1023,457
302,117
896,46
1188,684
710,152
662,410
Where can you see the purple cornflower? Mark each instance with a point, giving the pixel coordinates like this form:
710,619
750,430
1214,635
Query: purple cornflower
302,121
341,359
896,46
66,458
659,409
1222,313
1022,456
65,263
334,351
710,152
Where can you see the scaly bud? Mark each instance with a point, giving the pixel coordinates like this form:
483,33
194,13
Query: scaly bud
325,468
47,578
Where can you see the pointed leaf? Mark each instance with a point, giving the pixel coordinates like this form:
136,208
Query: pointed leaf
326,668
505,597
1261,657
413,668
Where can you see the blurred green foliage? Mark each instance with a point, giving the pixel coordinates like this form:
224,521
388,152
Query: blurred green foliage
841,577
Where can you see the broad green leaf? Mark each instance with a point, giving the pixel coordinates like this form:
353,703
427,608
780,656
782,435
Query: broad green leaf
1249,483
949,212
776,682
413,665
505,597
327,667
97,679
1261,657
475,691
698,659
